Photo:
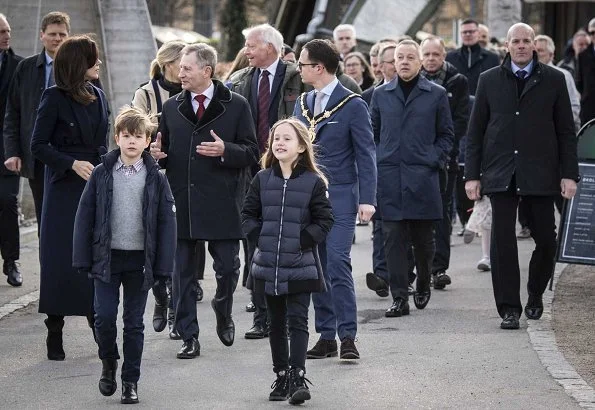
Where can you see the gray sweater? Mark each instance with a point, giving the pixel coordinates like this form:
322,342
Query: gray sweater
127,210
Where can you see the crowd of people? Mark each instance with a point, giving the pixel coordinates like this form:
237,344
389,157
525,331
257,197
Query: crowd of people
288,150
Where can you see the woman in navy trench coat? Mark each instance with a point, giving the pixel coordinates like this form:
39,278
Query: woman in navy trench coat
69,137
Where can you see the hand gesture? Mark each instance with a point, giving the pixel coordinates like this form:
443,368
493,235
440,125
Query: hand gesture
83,169
473,190
155,151
13,164
365,212
568,187
212,149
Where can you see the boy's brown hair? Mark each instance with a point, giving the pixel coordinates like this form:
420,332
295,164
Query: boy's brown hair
134,121
55,17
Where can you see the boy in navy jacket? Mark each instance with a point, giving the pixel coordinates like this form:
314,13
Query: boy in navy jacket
125,234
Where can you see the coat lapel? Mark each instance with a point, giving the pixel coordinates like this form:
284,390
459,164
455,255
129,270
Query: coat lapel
254,93
422,85
216,107
278,79
392,86
185,106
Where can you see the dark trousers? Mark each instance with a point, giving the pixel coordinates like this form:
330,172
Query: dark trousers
464,204
378,260
226,264
9,217
257,297
288,311
162,290
398,235
523,214
506,274
36,185
443,228
378,257
126,270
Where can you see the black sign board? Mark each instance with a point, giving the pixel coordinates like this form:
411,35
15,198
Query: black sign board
576,239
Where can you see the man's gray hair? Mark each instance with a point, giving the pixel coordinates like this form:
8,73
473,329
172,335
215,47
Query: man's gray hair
549,43
267,34
519,25
343,27
592,22
205,55
2,16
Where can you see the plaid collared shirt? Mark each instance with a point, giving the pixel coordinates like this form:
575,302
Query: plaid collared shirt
129,170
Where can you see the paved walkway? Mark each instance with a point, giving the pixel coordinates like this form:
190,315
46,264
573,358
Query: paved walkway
450,355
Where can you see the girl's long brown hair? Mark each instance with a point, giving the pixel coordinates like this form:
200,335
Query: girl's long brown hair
74,57
306,158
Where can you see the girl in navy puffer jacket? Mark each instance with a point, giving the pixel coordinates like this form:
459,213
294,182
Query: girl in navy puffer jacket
287,213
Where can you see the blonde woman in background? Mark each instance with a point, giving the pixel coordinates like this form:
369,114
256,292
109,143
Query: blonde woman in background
164,81
149,97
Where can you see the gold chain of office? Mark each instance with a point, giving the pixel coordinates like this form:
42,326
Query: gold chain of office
323,115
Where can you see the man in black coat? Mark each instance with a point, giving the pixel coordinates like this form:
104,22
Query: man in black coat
440,72
471,59
32,76
9,180
206,143
586,78
522,145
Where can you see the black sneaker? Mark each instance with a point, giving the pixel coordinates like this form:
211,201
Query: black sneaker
280,387
323,349
441,279
348,349
298,391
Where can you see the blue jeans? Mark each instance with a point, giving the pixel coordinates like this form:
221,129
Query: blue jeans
336,309
127,270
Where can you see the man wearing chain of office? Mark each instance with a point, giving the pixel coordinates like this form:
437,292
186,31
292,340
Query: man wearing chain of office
340,128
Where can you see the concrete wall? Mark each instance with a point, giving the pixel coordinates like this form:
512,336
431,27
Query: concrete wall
122,29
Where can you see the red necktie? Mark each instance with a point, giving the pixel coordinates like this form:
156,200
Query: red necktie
201,107
264,98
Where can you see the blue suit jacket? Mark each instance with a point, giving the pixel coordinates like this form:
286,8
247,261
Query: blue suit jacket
345,149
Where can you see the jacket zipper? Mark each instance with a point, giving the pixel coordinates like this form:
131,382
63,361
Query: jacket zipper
279,239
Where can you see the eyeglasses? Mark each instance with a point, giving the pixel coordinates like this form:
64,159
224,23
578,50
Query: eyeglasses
353,65
468,32
592,32
300,64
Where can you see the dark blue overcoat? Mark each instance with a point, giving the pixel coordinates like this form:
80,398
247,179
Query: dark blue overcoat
413,141
64,132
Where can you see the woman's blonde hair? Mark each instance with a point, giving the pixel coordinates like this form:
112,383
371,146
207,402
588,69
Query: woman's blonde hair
306,158
168,53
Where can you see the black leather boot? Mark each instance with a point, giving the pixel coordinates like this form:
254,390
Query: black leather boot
107,382
129,395
54,338
298,391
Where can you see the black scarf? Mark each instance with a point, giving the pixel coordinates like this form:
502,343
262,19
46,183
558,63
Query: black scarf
173,88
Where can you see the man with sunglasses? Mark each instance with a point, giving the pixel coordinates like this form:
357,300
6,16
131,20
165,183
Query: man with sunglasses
471,59
586,79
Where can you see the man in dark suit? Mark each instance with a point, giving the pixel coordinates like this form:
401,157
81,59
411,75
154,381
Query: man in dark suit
440,72
9,180
586,77
471,59
271,87
413,128
33,75
521,145
340,127
208,183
